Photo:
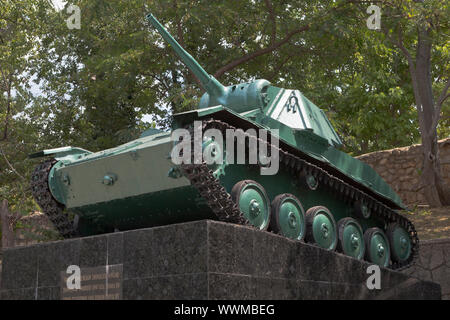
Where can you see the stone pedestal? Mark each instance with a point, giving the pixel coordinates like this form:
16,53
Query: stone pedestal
197,260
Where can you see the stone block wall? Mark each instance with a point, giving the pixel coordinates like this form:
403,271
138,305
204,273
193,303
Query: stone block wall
401,168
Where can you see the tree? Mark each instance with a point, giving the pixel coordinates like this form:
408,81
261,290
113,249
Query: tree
361,84
18,24
420,31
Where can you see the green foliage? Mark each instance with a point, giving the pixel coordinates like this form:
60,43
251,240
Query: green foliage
18,24
365,92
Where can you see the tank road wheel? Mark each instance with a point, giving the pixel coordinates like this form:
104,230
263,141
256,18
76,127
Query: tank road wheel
377,247
288,216
351,238
321,228
399,241
252,200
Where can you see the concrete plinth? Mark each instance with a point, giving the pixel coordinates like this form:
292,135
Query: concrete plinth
197,260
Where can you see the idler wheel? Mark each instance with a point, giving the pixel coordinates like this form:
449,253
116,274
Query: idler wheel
321,228
351,238
378,250
288,216
252,200
399,241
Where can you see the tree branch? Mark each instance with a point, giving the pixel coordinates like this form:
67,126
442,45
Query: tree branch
275,45
444,94
4,79
260,52
10,165
272,18
438,107
8,108
412,70
402,47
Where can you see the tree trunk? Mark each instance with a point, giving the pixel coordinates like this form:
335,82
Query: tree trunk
8,236
435,190
8,110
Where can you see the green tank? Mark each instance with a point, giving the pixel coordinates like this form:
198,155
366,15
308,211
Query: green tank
269,158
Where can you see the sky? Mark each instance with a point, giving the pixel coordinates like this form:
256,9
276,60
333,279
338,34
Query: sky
59,4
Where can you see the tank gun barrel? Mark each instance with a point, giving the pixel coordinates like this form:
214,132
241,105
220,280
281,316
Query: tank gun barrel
210,84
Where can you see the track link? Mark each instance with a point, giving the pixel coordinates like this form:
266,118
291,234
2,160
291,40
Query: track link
210,189
44,198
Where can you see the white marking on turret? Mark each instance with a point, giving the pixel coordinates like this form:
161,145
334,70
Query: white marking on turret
280,104
292,113
274,103
303,109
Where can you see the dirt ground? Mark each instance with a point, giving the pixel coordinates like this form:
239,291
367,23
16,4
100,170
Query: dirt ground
430,223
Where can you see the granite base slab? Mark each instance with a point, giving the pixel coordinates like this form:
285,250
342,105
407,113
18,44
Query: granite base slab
199,260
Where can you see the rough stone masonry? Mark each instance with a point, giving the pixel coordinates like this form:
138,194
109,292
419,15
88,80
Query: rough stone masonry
401,168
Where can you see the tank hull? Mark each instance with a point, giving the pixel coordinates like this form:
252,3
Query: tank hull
144,194
138,185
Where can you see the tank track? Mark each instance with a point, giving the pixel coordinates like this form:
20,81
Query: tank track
221,203
44,198
210,189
